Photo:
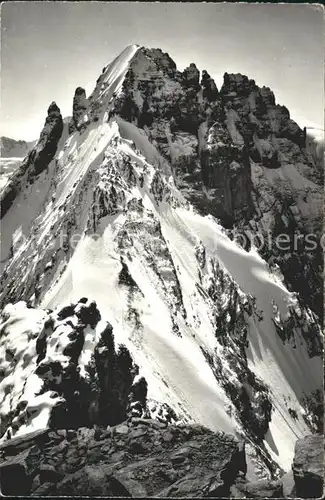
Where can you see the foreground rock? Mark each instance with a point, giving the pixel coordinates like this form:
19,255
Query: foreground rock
308,467
257,489
137,458
142,457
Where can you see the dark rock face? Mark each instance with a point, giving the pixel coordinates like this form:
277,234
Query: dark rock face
182,111
301,269
162,59
80,105
308,467
137,458
210,91
16,474
259,120
37,160
146,458
237,85
104,391
274,141
115,374
191,77
314,406
46,147
225,171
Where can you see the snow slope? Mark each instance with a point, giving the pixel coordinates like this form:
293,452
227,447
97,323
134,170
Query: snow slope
109,200
7,167
12,154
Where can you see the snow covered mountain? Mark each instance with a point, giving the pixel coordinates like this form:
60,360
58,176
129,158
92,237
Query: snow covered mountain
125,225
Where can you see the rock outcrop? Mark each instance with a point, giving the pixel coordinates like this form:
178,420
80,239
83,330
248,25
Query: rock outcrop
209,88
284,182
45,149
146,458
308,467
37,160
225,171
232,309
136,458
191,77
79,119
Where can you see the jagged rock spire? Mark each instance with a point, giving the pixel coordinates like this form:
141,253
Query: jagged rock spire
210,90
79,108
53,109
38,159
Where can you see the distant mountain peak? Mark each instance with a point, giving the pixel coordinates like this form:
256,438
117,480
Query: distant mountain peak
14,148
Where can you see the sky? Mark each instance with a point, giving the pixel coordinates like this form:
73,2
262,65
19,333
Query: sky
50,48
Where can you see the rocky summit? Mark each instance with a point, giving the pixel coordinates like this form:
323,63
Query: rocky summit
155,337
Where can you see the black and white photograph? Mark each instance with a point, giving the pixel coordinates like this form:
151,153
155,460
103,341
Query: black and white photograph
161,298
